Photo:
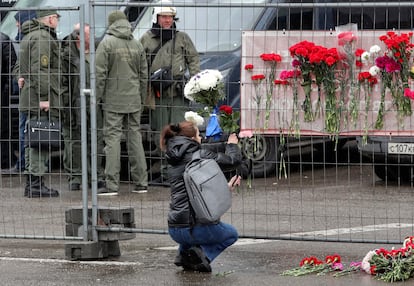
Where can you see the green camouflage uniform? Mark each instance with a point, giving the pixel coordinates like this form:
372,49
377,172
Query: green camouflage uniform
170,105
121,83
72,159
39,65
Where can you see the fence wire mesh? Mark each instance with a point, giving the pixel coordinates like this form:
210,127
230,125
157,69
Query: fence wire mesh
300,188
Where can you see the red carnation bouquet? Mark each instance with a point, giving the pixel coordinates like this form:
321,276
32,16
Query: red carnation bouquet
312,264
264,84
391,265
229,119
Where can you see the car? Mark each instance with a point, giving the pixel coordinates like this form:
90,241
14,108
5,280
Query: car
216,29
392,157
217,34
6,4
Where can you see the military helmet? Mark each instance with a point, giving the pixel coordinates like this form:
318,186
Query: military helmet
164,9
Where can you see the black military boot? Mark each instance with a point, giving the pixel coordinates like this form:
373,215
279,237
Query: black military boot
31,181
46,192
38,189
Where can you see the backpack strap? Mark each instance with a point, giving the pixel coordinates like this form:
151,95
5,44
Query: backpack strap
157,49
196,155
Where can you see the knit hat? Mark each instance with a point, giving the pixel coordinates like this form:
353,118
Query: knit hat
116,15
23,16
44,13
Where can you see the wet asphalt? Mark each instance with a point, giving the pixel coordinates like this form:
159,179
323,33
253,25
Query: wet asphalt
148,258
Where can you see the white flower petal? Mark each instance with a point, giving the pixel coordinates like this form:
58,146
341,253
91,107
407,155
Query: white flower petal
194,117
374,70
365,56
365,265
375,49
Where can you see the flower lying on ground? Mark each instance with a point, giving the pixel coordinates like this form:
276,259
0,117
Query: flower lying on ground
353,267
391,265
312,264
386,265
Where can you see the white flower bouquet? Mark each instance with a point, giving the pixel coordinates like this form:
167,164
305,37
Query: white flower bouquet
194,117
206,88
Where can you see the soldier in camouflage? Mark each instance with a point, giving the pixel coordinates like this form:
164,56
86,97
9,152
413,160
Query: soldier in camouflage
166,46
40,96
121,83
72,160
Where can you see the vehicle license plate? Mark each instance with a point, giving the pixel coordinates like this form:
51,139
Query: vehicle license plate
401,148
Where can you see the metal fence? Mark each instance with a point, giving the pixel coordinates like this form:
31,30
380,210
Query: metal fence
318,190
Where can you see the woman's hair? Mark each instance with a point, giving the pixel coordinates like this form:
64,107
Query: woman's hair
184,128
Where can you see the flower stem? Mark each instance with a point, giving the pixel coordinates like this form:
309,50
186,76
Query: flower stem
307,103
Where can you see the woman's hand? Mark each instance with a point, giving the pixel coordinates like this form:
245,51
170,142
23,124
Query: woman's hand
234,182
233,139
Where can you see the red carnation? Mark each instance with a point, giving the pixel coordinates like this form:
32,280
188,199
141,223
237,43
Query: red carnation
271,57
226,109
258,76
248,67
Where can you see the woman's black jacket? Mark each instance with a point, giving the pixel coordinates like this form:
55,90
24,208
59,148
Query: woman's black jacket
179,153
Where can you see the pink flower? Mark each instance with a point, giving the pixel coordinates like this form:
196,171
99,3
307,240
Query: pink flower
285,75
345,38
355,264
365,262
338,266
392,66
296,63
409,93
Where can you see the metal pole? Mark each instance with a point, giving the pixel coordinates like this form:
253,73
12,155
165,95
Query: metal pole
93,122
83,124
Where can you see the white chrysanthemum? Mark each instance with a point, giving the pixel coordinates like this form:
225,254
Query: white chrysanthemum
374,70
375,49
190,88
205,87
217,74
365,262
209,79
204,80
194,117
188,91
365,56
